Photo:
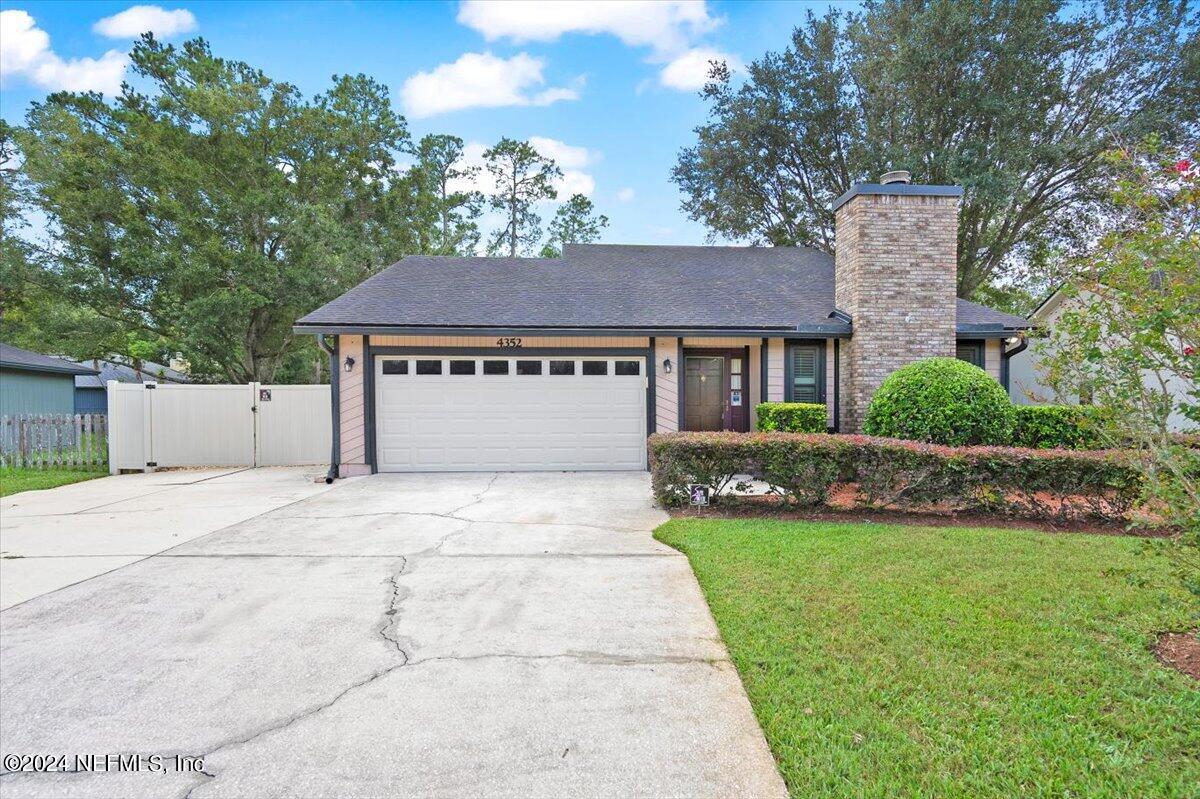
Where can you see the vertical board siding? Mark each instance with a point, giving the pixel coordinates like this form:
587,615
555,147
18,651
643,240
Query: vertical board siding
830,387
991,357
23,393
666,386
353,447
489,342
775,370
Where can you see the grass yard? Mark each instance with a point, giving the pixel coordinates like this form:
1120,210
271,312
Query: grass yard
884,660
14,481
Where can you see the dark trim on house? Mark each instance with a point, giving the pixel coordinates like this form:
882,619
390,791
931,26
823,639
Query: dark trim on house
912,189
762,370
335,389
807,331
651,401
986,331
369,403
499,352
837,385
679,383
788,368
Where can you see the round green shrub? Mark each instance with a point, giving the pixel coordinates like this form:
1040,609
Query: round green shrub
942,401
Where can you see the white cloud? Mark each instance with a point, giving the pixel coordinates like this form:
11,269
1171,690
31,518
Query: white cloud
136,20
664,25
481,80
625,195
689,71
26,53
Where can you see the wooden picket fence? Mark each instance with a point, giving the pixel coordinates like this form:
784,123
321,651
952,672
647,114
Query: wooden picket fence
54,441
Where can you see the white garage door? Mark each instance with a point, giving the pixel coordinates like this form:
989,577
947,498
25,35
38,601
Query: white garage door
435,413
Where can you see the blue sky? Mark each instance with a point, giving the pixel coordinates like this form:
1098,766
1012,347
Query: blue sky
607,88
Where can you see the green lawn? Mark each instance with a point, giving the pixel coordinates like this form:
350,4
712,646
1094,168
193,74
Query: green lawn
14,481
884,660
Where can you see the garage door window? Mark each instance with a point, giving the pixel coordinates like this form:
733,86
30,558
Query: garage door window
562,367
395,367
529,367
595,368
429,367
495,367
462,367
627,368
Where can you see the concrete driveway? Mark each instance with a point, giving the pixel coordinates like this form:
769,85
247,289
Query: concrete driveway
452,635
50,539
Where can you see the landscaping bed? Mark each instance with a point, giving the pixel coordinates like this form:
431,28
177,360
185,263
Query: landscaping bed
889,660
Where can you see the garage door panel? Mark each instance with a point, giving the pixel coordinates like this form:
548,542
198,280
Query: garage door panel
510,422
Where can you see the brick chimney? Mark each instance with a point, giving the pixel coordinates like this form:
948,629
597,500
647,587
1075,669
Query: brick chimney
895,275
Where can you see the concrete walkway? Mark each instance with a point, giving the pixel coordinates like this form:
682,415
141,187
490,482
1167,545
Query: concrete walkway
455,635
50,539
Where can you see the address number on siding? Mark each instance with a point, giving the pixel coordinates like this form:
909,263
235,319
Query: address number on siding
509,343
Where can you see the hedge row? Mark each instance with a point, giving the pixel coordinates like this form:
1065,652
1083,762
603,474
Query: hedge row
1057,426
804,469
791,417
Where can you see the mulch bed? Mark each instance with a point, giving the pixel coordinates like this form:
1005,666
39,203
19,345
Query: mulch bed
1180,651
760,510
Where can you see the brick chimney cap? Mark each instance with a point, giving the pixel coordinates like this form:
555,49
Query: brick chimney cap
896,188
895,176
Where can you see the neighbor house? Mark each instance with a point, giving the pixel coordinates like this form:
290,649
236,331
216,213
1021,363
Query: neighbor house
91,390
448,363
33,383
1028,383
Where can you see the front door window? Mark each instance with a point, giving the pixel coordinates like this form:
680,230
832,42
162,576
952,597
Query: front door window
704,392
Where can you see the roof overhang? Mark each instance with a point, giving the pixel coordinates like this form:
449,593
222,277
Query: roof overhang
831,330
988,331
65,369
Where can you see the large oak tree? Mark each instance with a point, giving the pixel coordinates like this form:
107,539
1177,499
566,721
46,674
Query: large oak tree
1016,102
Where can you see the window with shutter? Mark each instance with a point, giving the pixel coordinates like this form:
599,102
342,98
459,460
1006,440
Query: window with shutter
971,352
806,374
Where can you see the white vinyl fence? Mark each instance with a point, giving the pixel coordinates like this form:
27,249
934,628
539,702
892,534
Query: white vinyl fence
162,425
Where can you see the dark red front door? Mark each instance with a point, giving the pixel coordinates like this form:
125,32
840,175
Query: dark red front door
715,391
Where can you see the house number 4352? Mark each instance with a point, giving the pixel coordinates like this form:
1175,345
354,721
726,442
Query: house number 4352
509,343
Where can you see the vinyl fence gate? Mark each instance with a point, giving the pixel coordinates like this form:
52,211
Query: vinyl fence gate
155,425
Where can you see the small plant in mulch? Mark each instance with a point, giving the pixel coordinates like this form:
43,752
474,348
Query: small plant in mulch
1180,651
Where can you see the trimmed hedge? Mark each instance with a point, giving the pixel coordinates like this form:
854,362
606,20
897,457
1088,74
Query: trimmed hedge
791,417
942,401
803,469
1057,426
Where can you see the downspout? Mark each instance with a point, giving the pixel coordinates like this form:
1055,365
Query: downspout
1006,354
335,402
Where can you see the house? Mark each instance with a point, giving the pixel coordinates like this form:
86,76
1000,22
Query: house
33,383
91,390
448,363
1028,385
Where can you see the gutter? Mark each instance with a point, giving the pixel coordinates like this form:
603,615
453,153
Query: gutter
835,330
1005,355
335,403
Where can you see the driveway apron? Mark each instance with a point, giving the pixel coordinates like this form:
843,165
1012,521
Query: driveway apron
404,635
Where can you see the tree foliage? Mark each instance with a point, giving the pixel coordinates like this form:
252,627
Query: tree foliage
521,178
1129,335
445,214
575,222
1016,102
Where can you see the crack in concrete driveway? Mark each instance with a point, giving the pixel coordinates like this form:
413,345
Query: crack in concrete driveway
430,635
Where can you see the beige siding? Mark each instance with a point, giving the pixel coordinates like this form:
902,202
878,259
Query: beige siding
775,370
666,386
350,391
991,356
829,384
754,375
485,342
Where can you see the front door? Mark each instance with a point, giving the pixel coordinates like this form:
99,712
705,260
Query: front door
704,392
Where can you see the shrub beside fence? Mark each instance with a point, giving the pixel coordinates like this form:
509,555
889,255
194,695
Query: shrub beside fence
806,469
54,441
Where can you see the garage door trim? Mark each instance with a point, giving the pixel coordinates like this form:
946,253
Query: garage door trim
370,352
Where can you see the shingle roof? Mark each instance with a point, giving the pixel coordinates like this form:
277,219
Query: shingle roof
122,373
607,286
16,358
